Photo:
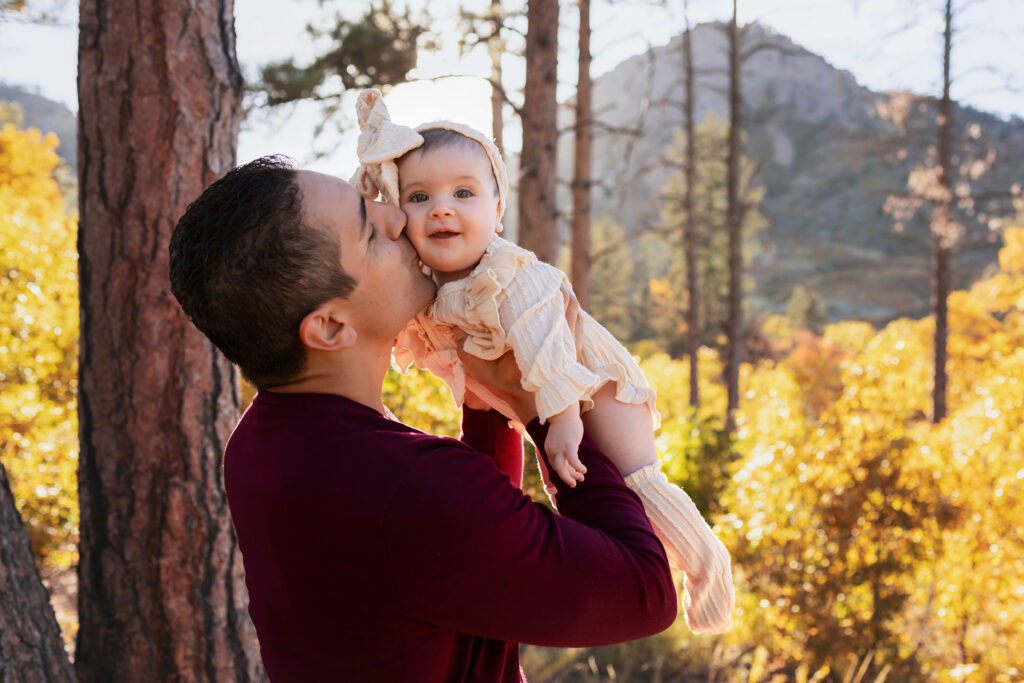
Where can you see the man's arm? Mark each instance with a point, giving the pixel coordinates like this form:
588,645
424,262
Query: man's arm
470,553
487,431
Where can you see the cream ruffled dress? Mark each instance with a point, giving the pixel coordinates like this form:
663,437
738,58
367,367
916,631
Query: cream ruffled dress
513,301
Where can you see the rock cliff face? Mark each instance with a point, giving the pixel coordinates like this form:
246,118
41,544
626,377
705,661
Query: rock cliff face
830,153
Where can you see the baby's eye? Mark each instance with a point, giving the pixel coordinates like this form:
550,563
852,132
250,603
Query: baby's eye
417,197
463,193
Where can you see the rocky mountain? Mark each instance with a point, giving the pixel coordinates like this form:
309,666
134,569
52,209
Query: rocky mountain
48,116
830,152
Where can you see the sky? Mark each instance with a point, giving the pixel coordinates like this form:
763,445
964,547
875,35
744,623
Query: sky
885,44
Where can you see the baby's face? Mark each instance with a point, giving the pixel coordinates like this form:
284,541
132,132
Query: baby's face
450,198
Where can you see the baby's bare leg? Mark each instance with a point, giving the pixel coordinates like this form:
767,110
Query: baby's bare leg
623,431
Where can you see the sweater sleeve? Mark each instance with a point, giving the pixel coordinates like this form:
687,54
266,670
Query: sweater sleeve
488,431
471,553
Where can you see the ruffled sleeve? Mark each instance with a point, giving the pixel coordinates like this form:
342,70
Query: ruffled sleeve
513,301
431,346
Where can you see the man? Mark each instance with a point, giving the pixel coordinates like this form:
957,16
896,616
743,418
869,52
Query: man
373,551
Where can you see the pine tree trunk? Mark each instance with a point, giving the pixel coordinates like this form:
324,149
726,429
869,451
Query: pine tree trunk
735,325
161,589
942,231
496,48
31,648
690,227
581,184
538,179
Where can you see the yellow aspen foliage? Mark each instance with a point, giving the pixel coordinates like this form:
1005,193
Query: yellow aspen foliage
864,528
1011,256
815,363
422,400
38,343
694,447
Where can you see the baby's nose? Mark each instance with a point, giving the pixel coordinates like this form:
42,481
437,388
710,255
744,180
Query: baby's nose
441,207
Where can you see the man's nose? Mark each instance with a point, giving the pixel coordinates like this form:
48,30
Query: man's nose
392,221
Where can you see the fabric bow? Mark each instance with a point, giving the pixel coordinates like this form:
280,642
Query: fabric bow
381,141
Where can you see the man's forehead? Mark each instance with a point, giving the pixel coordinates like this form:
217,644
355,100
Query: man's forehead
326,200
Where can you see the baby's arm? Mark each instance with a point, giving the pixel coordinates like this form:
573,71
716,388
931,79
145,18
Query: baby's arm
539,315
563,442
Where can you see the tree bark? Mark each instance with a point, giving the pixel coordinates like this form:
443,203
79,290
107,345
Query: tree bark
538,178
161,589
496,48
581,184
690,227
735,329
31,648
943,232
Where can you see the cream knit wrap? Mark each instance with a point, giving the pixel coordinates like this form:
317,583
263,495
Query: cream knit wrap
382,142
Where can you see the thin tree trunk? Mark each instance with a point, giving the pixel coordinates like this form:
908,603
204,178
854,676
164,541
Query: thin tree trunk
31,648
496,47
690,227
735,325
161,590
581,184
943,232
538,179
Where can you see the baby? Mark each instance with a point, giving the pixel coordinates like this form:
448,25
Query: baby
451,183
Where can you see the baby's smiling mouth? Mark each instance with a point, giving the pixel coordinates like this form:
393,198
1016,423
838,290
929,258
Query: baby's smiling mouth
443,234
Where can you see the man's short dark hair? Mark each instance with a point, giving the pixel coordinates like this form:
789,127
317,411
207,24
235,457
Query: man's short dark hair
246,270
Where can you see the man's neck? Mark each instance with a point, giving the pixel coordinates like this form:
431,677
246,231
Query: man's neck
357,377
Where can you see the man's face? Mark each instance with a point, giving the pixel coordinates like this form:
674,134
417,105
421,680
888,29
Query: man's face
390,287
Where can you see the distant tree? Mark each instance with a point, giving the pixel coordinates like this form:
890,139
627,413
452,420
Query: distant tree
377,50
805,310
161,589
538,171
488,29
614,297
690,226
942,203
944,231
581,182
733,219
710,253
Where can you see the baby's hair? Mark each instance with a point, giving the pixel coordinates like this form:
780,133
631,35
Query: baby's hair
440,138
443,137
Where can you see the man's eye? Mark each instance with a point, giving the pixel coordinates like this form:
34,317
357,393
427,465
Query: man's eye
463,193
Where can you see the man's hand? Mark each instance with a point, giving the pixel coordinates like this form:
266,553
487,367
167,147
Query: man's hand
562,445
502,379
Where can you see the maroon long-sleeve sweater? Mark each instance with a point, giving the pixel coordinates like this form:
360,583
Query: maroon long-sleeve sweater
375,552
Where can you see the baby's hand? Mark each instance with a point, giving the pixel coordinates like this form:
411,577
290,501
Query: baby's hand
563,444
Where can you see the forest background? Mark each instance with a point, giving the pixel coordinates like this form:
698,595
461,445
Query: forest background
871,537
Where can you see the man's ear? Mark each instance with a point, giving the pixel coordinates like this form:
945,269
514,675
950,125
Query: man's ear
327,327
